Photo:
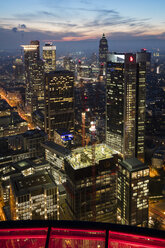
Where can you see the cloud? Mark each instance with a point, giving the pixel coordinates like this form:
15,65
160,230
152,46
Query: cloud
36,15
61,24
47,13
110,18
76,41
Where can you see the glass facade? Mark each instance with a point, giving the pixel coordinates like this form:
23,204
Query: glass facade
59,102
143,59
34,77
130,105
125,109
49,57
115,101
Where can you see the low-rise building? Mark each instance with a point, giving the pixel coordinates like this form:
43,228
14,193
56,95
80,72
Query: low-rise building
34,197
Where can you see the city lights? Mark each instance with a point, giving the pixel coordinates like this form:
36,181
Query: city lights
82,127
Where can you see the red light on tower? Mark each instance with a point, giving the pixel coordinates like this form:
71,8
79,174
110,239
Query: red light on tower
131,59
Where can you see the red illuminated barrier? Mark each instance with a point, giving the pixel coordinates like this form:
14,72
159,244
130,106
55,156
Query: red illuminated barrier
69,234
125,240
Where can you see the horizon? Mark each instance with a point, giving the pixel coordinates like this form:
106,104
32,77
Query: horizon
130,25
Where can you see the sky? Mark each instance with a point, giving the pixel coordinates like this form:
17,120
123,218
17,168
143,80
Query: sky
78,23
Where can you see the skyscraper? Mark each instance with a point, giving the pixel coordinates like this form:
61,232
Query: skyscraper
125,110
49,57
103,52
34,77
132,192
143,60
59,102
103,49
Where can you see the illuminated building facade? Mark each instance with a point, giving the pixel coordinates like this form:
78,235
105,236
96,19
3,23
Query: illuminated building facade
10,122
59,102
17,148
143,59
25,167
34,197
49,57
125,109
55,155
103,52
34,77
18,68
63,138
13,129
69,64
133,193
79,186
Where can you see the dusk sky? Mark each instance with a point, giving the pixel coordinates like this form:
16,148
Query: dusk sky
79,20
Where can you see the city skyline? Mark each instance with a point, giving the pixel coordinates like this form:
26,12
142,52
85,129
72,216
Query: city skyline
77,21
86,118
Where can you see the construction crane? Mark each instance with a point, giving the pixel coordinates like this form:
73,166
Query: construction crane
93,133
83,114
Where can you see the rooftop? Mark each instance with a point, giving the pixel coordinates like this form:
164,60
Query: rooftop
24,185
34,133
82,157
61,73
133,164
60,150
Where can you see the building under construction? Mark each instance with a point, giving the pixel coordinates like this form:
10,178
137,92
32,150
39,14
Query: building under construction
82,202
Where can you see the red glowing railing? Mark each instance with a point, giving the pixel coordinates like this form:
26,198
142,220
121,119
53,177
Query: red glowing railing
68,234
118,239
23,237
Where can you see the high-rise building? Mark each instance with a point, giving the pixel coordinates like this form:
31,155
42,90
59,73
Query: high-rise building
49,57
34,197
143,60
34,77
125,108
69,64
84,199
18,69
103,49
59,102
103,53
132,192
